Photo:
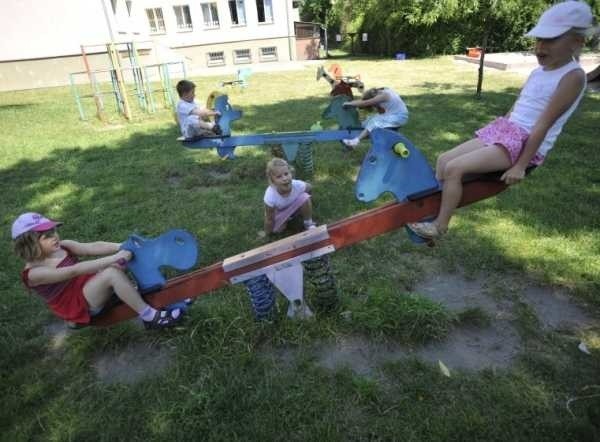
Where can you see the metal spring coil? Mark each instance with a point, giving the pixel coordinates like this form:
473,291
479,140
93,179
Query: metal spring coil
318,272
262,296
305,158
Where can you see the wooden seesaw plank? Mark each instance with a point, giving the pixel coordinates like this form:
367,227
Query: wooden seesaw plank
343,233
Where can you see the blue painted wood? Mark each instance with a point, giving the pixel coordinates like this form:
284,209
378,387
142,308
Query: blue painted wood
228,114
290,150
176,248
346,117
274,138
385,170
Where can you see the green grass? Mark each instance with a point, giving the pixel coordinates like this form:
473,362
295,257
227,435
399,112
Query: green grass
107,181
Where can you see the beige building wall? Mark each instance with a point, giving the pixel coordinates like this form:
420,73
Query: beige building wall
45,38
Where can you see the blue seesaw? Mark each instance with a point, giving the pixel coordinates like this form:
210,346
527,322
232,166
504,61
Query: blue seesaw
225,144
175,248
395,165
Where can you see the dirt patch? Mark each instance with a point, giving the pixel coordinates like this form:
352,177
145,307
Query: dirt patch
128,365
174,179
555,309
467,347
58,332
354,352
219,175
471,348
132,363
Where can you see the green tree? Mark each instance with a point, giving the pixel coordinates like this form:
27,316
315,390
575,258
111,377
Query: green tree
315,10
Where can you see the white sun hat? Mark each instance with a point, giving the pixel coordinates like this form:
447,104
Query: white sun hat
561,18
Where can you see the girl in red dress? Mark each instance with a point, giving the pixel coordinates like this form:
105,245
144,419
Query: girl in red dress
75,291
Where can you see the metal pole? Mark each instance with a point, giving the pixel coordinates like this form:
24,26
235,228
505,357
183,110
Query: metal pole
108,22
76,95
97,99
114,56
287,16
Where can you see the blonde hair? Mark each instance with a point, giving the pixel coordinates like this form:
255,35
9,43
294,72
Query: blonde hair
27,246
273,164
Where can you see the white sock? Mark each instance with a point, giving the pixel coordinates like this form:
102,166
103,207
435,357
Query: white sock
353,142
308,222
148,314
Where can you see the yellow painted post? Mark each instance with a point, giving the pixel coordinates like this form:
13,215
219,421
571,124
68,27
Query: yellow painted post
114,57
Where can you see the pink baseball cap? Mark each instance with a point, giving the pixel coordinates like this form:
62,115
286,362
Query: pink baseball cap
562,17
32,221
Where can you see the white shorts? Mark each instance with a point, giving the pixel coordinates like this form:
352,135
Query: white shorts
382,121
191,127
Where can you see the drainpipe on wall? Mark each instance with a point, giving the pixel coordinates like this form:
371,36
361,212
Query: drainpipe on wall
287,16
108,22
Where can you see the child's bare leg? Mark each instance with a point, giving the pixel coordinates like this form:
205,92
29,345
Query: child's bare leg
364,134
306,210
461,149
99,289
205,126
490,159
353,142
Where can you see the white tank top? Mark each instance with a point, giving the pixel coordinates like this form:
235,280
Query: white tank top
394,105
534,98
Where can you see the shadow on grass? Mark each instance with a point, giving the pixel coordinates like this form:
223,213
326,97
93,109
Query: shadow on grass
13,107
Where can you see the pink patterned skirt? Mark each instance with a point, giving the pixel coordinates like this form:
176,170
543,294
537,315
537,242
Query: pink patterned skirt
281,216
510,136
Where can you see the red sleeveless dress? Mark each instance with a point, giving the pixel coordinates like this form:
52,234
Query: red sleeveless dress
64,298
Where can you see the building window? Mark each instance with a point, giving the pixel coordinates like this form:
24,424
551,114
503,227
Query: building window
155,19
242,56
210,14
268,54
236,10
184,19
215,58
264,9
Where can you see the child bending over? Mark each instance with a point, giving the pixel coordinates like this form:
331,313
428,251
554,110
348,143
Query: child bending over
285,197
75,291
391,112
528,131
191,116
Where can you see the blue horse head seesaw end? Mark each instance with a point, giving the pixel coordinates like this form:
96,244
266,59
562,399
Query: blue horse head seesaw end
394,164
175,248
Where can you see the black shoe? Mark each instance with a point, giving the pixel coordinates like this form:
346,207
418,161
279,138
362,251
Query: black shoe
164,319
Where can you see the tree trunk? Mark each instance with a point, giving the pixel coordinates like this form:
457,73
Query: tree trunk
481,60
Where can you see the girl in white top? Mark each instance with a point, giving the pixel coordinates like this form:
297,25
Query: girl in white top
527,133
285,197
391,112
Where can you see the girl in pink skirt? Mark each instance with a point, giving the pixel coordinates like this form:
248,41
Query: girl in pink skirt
285,197
527,133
